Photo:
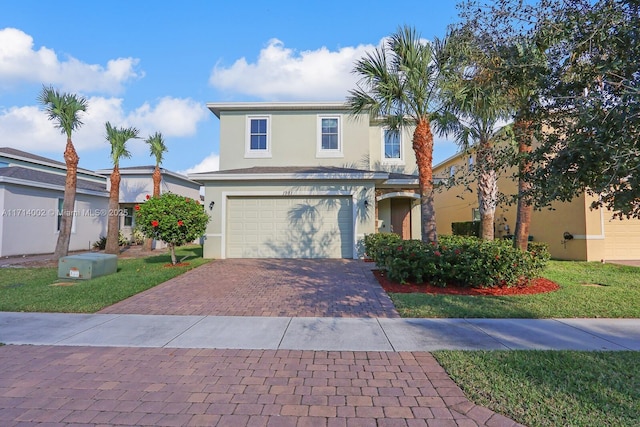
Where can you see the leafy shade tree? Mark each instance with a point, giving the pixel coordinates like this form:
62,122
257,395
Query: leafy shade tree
593,105
64,109
476,107
118,138
173,219
399,85
157,148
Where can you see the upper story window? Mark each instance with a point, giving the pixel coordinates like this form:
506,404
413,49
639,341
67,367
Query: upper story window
391,146
470,164
329,136
258,142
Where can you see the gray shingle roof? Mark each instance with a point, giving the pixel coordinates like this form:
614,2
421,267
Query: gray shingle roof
37,176
15,152
289,170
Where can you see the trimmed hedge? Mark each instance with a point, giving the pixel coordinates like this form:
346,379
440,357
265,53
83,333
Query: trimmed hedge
456,260
468,228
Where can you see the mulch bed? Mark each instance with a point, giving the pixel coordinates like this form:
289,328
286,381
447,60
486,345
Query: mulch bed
535,286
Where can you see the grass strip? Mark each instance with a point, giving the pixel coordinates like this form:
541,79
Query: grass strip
39,289
587,289
551,388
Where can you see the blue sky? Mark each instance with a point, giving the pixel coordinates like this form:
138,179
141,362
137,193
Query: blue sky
155,65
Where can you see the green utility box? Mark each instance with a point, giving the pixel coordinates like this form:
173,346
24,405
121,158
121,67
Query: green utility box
87,266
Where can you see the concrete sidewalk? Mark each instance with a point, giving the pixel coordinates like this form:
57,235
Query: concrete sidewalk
317,333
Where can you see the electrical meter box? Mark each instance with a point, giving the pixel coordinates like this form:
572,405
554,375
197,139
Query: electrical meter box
87,266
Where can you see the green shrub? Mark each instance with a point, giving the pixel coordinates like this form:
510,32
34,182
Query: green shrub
468,228
457,260
379,247
101,243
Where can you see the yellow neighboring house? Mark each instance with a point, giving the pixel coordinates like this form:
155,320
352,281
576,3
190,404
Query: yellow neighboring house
572,230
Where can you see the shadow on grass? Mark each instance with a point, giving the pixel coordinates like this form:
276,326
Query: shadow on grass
183,254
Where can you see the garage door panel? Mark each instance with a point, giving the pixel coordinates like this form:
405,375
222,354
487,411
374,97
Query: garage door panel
289,227
622,239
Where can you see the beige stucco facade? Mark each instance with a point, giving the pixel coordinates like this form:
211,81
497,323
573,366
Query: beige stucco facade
596,236
293,171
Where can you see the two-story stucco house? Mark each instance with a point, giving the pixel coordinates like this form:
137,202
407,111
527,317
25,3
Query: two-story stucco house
31,195
306,180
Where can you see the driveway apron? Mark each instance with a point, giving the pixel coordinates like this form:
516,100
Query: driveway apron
267,287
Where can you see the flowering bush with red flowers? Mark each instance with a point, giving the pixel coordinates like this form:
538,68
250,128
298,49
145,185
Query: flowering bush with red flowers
456,260
173,219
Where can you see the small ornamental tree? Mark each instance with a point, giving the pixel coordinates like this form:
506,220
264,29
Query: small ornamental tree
173,219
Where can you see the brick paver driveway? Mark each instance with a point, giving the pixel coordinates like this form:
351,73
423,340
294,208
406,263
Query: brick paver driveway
267,287
73,386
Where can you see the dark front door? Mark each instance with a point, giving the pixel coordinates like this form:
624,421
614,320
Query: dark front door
401,217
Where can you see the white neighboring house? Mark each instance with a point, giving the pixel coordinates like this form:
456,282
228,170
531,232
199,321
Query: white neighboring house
31,195
136,183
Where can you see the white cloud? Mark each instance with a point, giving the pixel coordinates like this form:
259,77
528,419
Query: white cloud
208,164
171,116
21,62
283,74
27,128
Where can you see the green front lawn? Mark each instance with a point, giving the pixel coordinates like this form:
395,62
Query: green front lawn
551,388
616,294
39,289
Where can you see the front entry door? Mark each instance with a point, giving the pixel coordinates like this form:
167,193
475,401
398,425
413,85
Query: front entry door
401,217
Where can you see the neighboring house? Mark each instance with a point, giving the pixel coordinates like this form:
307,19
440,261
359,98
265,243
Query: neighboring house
594,234
136,183
306,180
31,195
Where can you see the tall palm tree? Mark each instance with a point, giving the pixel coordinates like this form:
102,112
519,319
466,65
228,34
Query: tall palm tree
118,138
64,109
523,67
476,104
399,85
157,148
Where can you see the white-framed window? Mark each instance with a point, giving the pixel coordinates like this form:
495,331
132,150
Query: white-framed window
452,171
470,163
392,147
73,218
128,217
329,136
258,138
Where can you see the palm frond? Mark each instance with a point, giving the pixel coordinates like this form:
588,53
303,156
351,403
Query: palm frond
118,138
157,147
63,108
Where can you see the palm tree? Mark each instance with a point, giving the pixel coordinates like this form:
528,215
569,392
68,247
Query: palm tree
476,103
64,109
523,67
399,85
157,148
118,138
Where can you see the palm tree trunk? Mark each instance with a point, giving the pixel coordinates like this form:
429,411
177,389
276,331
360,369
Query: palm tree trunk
64,236
525,205
113,224
487,189
423,148
157,179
